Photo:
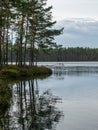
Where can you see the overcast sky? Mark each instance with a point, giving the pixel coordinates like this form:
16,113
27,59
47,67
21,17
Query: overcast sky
74,9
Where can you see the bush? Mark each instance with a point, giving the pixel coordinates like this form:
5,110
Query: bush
44,70
5,95
38,71
23,72
12,73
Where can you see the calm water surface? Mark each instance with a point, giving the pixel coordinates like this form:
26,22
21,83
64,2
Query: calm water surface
79,93
37,104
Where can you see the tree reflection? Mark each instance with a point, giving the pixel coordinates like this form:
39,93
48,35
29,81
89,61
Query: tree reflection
30,110
5,96
61,72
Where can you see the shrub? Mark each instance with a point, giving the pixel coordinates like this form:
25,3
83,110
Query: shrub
5,95
23,72
12,73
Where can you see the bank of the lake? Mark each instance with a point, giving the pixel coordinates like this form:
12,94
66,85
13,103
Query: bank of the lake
11,74
15,72
29,108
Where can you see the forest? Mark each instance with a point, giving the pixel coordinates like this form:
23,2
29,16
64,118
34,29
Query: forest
69,54
25,25
27,35
60,54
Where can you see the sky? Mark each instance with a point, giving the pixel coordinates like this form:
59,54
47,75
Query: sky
80,21
74,9
78,32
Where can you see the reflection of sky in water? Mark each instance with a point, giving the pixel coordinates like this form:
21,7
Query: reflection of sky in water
80,99
78,89
31,110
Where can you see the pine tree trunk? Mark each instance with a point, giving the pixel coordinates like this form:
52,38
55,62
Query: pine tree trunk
21,40
7,46
26,42
0,47
32,52
3,47
11,54
0,42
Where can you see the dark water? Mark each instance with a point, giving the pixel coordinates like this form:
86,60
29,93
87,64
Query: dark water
67,100
31,110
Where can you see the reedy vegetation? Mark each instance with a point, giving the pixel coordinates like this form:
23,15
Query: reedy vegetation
25,25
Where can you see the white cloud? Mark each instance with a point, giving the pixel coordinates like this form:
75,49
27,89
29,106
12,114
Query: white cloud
78,32
74,8
82,27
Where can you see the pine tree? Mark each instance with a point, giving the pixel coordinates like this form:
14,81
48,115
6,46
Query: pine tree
42,32
31,23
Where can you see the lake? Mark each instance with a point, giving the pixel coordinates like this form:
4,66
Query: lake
66,100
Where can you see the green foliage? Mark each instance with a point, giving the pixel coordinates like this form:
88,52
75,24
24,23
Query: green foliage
12,72
24,72
69,54
5,95
30,22
43,70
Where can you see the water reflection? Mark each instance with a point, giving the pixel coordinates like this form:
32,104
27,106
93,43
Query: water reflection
29,110
74,71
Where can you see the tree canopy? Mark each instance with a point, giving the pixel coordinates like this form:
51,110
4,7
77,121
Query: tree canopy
26,24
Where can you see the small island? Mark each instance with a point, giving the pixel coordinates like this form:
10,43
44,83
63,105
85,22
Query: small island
16,72
23,35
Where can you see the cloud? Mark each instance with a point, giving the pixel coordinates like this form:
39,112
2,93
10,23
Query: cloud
74,8
78,32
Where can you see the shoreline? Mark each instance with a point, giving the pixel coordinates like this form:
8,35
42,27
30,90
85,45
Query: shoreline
16,72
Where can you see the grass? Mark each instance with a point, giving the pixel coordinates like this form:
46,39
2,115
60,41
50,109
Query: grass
15,72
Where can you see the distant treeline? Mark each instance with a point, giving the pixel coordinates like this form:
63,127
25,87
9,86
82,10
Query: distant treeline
60,54
69,54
